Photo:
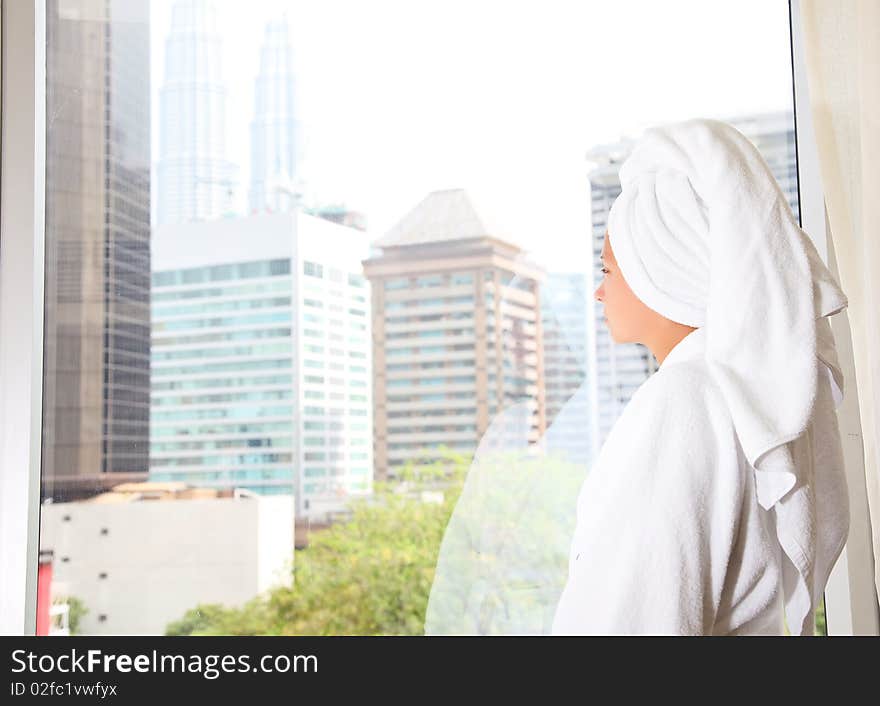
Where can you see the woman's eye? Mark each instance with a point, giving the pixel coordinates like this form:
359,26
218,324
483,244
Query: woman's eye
604,270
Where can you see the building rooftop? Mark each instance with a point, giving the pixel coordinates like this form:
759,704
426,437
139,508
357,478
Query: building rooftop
176,490
441,216
272,236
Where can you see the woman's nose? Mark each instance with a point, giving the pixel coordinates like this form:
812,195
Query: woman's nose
598,294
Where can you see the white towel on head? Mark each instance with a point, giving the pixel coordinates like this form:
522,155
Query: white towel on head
703,235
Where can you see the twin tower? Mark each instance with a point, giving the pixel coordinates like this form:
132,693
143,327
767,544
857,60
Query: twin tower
196,179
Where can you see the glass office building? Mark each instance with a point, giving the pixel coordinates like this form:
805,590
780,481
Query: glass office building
260,360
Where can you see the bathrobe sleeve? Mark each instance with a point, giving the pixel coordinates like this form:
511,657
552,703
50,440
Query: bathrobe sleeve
657,527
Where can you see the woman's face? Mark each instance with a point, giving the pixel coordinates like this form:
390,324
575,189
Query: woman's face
627,318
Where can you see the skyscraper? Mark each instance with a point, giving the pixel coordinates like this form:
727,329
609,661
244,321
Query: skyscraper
273,130
566,301
617,370
456,332
97,314
196,182
261,359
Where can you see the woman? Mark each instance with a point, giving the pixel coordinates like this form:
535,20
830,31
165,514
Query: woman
717,504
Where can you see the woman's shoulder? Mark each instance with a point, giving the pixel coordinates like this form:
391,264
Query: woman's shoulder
678,408
678,423
686,389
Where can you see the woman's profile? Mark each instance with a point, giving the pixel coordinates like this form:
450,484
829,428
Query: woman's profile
717,504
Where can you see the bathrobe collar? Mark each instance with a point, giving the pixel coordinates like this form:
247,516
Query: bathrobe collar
691,346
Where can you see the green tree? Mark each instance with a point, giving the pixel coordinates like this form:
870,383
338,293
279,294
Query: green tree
821,630
210,619
368,575
76,610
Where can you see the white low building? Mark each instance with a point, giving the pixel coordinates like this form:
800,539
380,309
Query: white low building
141,556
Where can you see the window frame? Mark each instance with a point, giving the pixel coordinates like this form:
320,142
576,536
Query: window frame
22,237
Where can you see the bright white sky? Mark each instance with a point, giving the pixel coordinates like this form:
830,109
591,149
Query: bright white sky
402,97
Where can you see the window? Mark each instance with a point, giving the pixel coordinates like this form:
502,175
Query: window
188,311
313,269
392,284
429,281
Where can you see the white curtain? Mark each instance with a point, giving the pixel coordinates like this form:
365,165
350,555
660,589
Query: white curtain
842,49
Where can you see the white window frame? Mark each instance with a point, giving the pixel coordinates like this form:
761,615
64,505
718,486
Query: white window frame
850,597
851,603
22,233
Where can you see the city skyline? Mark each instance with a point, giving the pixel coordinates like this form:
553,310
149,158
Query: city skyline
512,127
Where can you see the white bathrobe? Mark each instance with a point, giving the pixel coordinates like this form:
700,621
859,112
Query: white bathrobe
670,537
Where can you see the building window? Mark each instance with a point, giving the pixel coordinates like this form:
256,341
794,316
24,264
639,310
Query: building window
392,284
313,269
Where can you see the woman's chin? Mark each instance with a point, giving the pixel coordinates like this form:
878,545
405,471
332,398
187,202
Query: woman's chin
616,336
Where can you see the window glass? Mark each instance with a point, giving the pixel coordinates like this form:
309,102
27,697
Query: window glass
209,201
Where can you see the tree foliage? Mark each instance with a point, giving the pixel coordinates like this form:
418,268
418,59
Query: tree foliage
76,612
368,575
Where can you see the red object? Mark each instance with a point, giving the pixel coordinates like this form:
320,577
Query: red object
44,592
